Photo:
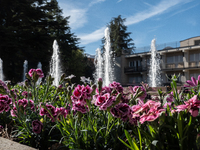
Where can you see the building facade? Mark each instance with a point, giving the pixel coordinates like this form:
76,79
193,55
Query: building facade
183,59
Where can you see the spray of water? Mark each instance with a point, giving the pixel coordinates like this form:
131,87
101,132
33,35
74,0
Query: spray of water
154,72
1,70
25,70
55,69
98,65
108,60
39,66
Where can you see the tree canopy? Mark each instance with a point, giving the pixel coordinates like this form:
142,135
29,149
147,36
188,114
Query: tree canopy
27,31
119,37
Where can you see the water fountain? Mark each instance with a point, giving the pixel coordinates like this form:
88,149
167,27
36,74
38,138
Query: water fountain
55,69
154,71
1,70
39,66
108,60
98,65
25,70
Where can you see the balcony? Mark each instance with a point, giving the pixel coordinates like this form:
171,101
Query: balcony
173,66
194,64
134,69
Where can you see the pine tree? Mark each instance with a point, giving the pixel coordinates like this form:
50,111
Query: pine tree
119,37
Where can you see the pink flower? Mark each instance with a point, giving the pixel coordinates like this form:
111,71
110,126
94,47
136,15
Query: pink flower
51,109
30,73
39,73
122,110
81,94
61,112
193,82
37,126
152,115
5,101
24,104
134,89
117,86
100,100
79,107
109,101
192,105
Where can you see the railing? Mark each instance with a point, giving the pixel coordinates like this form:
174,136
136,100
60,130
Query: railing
134,69
194,64
159,47
172,66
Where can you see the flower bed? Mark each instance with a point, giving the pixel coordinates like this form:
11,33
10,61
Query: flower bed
92,117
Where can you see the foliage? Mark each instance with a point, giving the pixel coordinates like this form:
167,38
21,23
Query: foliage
27,30
91,116
119,37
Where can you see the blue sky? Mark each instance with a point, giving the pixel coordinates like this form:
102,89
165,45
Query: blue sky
167,20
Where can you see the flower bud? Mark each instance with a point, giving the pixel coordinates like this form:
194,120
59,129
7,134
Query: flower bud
100,82
62,76
28,76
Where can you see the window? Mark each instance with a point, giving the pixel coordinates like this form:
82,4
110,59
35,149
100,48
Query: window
197,42
175,59
195,57
136,79
195,75
170,59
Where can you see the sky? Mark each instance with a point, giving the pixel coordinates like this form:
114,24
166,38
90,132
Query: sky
165,20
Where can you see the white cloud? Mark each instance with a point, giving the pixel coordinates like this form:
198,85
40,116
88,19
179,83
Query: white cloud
119,1
92,37
153,11
78,17
95,2
183,10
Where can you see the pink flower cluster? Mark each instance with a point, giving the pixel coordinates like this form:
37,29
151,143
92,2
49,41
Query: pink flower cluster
54,113
79,97
148,111
5,101
38,72
192,105
23,104
107,96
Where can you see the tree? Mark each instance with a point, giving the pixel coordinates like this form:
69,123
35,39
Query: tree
27,31
119,37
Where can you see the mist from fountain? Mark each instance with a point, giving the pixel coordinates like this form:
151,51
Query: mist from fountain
1,70
98,61
39,66
108,60
154,71
55,69
25,70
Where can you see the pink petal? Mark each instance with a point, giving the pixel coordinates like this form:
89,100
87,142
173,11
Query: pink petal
190,82
194,81
194,113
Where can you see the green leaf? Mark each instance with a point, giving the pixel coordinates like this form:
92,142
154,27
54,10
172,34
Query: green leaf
140,139
125,144
129,138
